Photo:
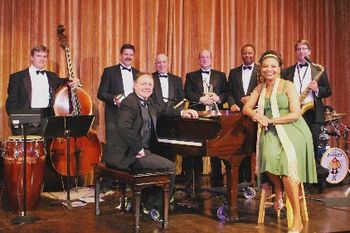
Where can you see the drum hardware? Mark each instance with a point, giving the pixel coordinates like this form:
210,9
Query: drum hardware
334,116
334,159
67,127
23,120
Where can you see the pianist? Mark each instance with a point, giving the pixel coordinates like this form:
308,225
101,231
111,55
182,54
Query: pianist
136,123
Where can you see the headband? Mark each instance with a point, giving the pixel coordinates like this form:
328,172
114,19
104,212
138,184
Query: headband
270,55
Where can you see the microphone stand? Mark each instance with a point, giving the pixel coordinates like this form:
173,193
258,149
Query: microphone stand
24,218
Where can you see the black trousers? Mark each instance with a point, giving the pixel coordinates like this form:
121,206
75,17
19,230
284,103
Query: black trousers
315,128
152,196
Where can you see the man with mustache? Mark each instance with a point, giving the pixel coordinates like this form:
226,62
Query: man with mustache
116,84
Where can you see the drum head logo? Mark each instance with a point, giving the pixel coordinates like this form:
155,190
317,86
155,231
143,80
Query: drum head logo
336,161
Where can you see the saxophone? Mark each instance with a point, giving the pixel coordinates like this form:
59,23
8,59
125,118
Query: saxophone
310,105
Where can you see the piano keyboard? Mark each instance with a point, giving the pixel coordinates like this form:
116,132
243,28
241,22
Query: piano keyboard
179,142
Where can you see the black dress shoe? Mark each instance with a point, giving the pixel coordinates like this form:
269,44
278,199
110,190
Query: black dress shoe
128,204
322,186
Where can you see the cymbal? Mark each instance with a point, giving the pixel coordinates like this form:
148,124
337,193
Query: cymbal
334,116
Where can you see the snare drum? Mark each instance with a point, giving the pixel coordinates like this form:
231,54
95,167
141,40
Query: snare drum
337,163
13,156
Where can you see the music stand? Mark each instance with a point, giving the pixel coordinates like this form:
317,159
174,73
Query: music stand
22,119
68,126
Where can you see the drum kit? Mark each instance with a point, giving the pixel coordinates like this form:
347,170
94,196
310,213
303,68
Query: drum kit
335,159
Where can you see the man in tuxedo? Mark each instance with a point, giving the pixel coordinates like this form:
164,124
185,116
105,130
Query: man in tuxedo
303,76
243,79
205,87
167,90
116,84
136,126
34,88
241,82
167,87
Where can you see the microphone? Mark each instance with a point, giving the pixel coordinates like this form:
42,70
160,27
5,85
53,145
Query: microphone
308,59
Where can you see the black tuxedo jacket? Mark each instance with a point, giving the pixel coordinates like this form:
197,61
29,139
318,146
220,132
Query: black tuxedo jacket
176,93
111,85
20,90
194,87
235,85
126,141
323,85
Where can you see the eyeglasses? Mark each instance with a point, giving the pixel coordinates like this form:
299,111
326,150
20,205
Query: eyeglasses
302,49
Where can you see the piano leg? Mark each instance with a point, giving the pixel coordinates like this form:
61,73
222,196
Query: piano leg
232,183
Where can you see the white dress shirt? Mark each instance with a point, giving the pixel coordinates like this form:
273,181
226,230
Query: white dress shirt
302,79
128,81
164,84
246,76
40,89
206,81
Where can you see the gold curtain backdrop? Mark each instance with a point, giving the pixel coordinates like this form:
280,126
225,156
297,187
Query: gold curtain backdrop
96,29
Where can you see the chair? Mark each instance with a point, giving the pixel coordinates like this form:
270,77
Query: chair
137,182
265,202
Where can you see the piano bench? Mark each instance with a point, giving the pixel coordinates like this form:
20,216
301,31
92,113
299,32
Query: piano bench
265,201
137,182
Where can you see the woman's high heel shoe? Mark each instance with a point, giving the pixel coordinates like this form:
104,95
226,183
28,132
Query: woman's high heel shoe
278,205
296,231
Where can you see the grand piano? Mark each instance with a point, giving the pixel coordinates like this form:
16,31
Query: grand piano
229,136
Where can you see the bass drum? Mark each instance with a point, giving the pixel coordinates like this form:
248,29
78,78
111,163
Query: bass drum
337,163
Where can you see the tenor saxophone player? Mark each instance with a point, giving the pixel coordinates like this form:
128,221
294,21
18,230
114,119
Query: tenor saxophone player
311,82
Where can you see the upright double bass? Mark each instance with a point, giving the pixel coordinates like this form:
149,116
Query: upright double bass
86,150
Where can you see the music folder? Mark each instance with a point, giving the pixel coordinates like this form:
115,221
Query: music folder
27,116
78,126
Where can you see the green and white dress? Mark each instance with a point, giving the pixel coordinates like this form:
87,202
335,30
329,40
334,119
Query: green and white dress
284,153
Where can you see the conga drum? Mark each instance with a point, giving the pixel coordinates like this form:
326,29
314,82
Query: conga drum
13,158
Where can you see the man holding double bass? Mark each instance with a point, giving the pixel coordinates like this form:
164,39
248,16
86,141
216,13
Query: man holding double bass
35,88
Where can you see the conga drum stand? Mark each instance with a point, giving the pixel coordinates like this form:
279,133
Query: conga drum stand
67,127
21,120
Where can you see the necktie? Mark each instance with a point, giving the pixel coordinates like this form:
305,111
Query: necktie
124,68
40,72
302,65
247,67
205,72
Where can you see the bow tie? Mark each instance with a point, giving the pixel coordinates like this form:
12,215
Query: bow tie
302,65
40,72
205,72
247,67
124,68
163,76
144,103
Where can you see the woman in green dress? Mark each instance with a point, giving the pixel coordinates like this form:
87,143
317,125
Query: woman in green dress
284,146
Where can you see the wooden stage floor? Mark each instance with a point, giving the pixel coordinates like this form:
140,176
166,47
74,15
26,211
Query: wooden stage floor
324,217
